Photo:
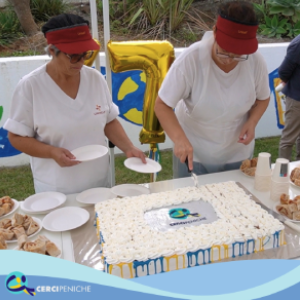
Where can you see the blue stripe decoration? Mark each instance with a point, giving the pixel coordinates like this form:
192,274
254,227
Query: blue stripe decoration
247,279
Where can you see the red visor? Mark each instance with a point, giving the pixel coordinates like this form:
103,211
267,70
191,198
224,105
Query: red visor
236,38
76,39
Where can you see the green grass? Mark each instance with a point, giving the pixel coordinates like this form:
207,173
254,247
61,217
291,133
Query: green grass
20,53
17,182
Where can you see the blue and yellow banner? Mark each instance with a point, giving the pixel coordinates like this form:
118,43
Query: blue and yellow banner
279,98
24,275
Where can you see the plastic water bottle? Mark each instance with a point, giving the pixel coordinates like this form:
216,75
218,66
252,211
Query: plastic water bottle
279,87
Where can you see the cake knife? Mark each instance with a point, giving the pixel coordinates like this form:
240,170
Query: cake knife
194,176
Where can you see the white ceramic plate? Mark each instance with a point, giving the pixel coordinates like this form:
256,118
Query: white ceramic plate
29,236
65,218
42,202
34,212
136,164
15,207
274,208
246,174
90,152
129,190
93,196
294,185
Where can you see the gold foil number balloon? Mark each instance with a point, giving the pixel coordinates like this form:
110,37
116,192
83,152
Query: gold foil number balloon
89,62
154,58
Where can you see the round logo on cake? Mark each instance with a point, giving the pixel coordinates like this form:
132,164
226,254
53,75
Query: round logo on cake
181,213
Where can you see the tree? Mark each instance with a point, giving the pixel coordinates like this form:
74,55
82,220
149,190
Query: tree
22,9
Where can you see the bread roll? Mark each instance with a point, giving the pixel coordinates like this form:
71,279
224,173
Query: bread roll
284,199
245,164
254,162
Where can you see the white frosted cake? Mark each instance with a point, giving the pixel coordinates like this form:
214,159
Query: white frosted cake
178,229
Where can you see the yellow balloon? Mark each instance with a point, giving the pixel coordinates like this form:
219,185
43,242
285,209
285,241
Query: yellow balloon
155,59
89,62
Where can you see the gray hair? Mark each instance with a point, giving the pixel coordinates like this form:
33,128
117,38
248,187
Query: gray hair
56,50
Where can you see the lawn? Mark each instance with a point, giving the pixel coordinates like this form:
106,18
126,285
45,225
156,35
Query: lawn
17,182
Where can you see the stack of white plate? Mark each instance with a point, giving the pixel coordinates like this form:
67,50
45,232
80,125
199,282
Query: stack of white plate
95,195
43,203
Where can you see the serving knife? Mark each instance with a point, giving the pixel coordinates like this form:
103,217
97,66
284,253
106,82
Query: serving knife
194,176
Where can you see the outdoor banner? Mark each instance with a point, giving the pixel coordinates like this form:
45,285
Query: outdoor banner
279,98
24,275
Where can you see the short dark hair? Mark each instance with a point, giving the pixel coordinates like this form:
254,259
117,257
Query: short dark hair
62,21
238,11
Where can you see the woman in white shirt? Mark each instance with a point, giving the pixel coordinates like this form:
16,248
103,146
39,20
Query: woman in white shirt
220,89
64,105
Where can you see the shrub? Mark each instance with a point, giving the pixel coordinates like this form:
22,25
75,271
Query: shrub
10,27
42,10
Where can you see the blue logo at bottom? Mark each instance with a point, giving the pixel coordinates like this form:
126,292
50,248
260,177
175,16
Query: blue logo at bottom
16,283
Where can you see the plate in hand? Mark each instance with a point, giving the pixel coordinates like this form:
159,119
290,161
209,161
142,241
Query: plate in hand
90,152
136,164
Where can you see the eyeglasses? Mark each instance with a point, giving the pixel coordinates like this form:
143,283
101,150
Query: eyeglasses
75,58
231,56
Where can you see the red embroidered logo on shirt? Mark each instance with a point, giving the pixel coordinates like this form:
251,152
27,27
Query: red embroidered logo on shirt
98,107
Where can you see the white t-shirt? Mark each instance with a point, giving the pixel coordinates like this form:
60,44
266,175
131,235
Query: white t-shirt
40,109
212,105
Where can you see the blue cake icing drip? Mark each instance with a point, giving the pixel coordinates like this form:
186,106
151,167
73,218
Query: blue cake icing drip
161,259
196,253
248,243
95,221
267,239
189,255
242,248
101,238
143,264
276,239
233,252
190,258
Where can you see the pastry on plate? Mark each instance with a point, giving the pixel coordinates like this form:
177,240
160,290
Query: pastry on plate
41,245
2,242
248,166
6,205
245,164
284,199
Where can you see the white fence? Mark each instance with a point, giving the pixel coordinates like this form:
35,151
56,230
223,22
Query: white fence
13,68
3,3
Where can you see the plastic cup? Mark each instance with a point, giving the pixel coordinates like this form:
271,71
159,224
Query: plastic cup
262,183
278,188
281,171
263,167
